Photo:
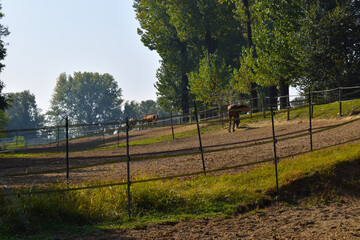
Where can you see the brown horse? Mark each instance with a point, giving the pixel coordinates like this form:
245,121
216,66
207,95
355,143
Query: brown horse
234,111
151,119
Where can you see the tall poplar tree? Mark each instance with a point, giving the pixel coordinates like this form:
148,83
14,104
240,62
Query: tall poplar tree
157,33
3,33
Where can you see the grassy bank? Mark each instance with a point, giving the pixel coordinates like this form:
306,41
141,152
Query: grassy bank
46,215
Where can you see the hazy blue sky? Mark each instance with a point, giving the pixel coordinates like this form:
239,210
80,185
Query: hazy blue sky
49,37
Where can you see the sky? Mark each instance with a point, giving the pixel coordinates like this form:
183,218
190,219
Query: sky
49,37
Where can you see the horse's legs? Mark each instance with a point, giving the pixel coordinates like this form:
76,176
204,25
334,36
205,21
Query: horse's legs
229,124
237,122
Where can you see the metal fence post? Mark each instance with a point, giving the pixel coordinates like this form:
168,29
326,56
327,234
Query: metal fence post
118,135
274,141
103,136
58,139
198,128
340,103
288,107
263,106
172,126
252,107
128,167
67,148
310,116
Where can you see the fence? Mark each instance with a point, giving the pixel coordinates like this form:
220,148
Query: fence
98,136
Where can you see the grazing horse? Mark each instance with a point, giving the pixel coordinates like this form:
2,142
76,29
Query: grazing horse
234,111
151,119
131,122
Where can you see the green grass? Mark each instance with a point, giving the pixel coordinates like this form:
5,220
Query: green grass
45,214
323,111
203,129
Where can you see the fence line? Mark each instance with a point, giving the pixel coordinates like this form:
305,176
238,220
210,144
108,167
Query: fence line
137,159
129,159
168,177
101,132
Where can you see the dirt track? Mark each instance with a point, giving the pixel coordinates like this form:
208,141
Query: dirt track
315,207
337,220
248,134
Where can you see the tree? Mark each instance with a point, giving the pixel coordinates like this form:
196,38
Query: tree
86,98
179,31
210,84
3,33
23,111
272,59
132,110
329,40
148,107
158,34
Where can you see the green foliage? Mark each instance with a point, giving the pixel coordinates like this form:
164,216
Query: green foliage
4,121
330,45
158,34
23,111
179,31
86,98
245,75
3,33
211,83
18,142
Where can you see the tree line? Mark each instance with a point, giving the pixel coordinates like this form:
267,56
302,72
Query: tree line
214,52
86,98
218,51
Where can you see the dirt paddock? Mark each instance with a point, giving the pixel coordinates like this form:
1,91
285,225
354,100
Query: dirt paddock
158,167
336,220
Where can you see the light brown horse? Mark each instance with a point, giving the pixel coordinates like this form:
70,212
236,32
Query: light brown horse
234,111
151,119
131,122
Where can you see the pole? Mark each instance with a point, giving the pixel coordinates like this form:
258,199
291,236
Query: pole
128,166
275,141
288,108
252,107
340,103
67,148
58,139
263,105
172,127
198,128
310,116
118,135
103,136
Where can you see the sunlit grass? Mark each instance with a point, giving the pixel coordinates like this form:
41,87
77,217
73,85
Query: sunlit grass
203,129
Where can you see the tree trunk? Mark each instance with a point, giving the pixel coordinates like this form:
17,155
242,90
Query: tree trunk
273,96
284,91
211,44
184,81
250,44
